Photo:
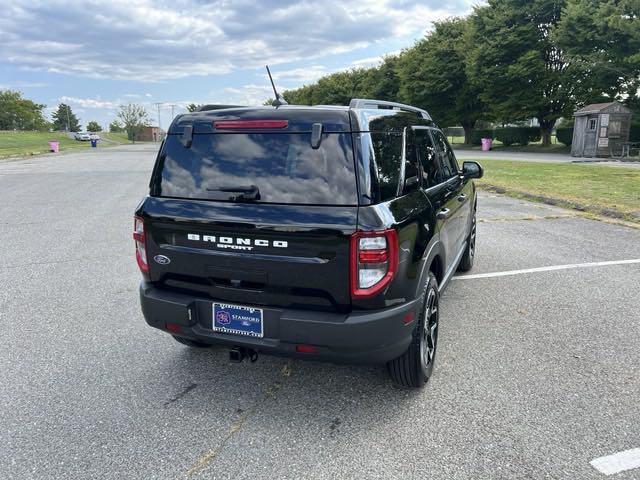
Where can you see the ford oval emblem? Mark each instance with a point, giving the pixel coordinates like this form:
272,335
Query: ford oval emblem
162,260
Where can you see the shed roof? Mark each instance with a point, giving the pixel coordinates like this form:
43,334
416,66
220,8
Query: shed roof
601,108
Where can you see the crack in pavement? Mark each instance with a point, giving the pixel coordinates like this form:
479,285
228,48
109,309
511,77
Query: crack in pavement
181,394
209,456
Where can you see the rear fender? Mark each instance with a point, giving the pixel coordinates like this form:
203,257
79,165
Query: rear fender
434,249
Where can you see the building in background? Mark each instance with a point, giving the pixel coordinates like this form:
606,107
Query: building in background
150,134
599,129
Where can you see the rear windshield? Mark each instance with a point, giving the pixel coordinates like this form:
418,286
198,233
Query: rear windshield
260,167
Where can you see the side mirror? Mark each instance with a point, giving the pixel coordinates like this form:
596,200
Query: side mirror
472,170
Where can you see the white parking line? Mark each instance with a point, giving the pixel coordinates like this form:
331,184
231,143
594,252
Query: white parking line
546,269
618,462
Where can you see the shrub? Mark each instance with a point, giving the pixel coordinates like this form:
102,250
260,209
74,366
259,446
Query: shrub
634,134
517,135
534,134
477,135
565,135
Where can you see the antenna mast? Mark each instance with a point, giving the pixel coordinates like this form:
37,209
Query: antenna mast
278,100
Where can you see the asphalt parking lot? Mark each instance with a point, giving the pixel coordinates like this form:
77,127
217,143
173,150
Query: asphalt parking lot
538,373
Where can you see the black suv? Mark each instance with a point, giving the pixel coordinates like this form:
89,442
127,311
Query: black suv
323,232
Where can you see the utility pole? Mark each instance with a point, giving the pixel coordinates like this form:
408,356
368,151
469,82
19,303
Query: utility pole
68,122
159,124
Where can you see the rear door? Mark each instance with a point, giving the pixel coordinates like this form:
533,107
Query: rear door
255,218
458,199
436,187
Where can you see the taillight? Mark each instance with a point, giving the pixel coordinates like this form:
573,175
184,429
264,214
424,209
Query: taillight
141,247
249,124
374,261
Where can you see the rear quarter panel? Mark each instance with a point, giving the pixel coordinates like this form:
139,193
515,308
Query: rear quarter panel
413,218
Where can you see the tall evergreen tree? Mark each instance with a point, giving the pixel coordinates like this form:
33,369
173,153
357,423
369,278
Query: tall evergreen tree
521,72
433,75
64,119
601,39
382,82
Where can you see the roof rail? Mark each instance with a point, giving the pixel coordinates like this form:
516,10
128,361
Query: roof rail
366,103
204,108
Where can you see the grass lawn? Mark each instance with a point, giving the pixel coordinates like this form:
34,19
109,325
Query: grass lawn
598,189
33,143
120,137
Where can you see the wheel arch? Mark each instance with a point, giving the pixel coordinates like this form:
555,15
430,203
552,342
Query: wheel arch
434,261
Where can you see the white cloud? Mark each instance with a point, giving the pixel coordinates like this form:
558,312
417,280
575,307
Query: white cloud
246,95
373,61
300,75
19,84
90,102
155,40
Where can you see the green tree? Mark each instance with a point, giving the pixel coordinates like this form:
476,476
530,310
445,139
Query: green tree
116,127
434,76
17,113
520,71
299,96
382,82
64,119
601,40
134,118
93,126
192,107
335,89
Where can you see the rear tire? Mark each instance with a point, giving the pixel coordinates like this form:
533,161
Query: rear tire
466,263
414,367
191,343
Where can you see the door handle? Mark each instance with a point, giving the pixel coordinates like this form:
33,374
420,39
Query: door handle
443,214
462,197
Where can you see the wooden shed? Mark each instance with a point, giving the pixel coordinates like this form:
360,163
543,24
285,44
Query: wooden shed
599,127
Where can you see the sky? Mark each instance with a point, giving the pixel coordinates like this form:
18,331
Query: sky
97,55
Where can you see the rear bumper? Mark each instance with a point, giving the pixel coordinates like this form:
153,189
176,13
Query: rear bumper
359,337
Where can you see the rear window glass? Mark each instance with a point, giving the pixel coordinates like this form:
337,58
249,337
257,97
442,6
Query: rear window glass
283,167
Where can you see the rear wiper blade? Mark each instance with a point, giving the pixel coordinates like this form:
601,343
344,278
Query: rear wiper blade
250,192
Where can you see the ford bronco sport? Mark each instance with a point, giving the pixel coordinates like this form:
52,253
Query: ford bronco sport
325,233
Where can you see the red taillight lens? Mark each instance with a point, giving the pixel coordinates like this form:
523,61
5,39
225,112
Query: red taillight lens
173,327
141,247
306,349
372,256
374,261
249,124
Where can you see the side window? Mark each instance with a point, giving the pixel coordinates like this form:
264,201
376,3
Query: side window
431,172
387,155
449,164
411,178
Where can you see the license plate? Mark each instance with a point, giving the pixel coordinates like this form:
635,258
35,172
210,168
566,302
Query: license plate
237,319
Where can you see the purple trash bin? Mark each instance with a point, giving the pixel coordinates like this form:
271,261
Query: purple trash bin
54,146
486,144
